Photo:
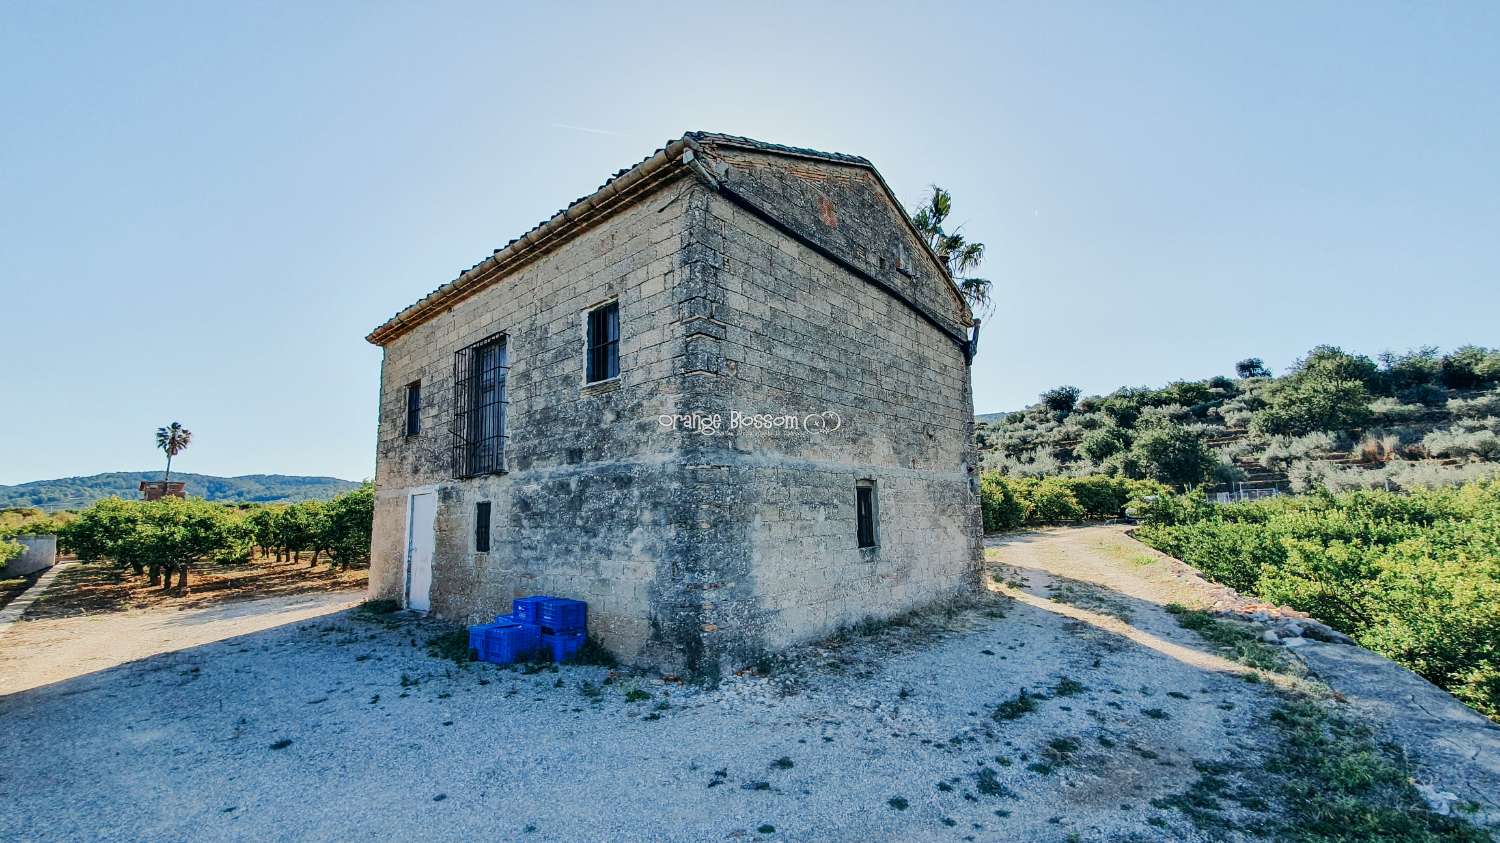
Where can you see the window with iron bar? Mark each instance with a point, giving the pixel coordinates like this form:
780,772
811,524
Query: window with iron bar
482,527
413,408
865,513
604,342
479,373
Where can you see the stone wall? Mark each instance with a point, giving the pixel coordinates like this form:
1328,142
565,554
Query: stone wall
794,335
585,508
697,552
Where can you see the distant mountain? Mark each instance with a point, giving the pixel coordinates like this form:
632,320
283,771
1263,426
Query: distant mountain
79,492
991,418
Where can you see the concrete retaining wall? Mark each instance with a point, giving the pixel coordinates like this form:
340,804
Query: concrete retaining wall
40,553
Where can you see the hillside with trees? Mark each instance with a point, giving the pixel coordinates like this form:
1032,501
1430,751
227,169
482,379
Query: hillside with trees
1392,463
1336,421
79,492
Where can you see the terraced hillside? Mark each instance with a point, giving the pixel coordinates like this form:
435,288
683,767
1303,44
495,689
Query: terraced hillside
1335,421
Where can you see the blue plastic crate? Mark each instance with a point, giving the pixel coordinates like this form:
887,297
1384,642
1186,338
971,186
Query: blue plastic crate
476,640
560,645
507,643
562,615
529,609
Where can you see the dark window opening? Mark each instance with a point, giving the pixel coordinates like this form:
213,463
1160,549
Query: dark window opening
864,511
479,419
482,526
413,408
604,342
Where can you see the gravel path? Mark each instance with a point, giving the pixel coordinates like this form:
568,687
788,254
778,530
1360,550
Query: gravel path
343,727
34,653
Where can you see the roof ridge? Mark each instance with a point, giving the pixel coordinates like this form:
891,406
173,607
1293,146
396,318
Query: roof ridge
526,242
701,136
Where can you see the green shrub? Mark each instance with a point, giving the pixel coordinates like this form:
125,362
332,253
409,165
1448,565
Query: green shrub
998,503
1100,496
1303,404
1457,442
1104,442
9,550
1469,367
1478,407
1052,500
1061,399
1172,455
1414,576
1392,411
1009,503
1252,367
1331,363
1425,394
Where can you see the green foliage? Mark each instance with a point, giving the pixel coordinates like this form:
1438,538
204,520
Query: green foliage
1009,503
999,505
1305,403
1061,399
959,255
9,550
1414,576
339,527
29,521
1104,442
1327,392
1470,367
1252,367
1051,500
1458,442
174,534
1331,363
346,524
1170,454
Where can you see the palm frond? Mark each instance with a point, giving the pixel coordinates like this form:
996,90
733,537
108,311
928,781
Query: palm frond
977,291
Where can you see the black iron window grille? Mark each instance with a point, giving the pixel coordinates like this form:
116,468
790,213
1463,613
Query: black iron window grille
479,408
413,408
864,510
482,527
604,342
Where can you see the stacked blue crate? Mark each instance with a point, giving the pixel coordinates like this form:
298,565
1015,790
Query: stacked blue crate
529,609
555,627
562,615
564,627
476,641
508,643
560,645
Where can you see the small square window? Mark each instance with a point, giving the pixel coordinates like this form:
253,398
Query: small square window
413,408
603,343
482,527
865,513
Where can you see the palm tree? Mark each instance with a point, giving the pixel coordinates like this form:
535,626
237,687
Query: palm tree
960,256
173,439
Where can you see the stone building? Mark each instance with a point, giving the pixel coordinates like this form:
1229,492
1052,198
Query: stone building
724,399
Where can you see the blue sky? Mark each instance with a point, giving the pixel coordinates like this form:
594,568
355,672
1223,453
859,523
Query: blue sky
206,206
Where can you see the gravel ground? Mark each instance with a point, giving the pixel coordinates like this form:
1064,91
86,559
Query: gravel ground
344,726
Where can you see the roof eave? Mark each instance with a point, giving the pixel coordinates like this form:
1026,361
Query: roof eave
577,216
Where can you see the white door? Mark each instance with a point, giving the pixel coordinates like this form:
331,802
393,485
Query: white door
421,511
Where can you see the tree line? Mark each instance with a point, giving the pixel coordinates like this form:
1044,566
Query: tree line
165,539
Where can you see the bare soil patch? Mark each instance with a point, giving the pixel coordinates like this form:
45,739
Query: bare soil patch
100,587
